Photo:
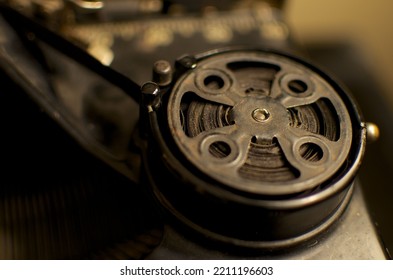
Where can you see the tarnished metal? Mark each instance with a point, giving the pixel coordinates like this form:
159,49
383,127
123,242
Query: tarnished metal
186,62
267,148
229,105
352,238
162,72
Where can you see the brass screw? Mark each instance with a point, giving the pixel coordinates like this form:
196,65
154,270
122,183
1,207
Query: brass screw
260,115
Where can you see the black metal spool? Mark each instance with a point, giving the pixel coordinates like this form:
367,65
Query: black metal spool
220,167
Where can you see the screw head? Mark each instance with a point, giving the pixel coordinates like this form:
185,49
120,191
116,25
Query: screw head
187,62
260,115
151,94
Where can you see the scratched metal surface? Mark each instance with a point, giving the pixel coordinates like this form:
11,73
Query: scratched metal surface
352,238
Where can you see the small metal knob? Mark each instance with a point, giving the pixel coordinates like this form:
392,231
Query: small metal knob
186,63
151,95
162,72
372,131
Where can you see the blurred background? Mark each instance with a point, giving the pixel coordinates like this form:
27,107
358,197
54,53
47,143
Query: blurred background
368,24
354,41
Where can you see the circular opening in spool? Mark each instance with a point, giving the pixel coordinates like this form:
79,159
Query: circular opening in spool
297,86
311,152
219,149
213,82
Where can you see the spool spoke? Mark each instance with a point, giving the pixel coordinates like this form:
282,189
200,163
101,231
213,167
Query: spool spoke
228,144
310,153
225,131
290,101
276,90
243,144
228,99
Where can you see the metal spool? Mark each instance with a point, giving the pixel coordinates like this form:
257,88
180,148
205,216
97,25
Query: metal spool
267,147
263,124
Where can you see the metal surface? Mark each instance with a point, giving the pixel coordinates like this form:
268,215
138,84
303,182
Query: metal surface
372,132
162,72
353,237
224,102
212,115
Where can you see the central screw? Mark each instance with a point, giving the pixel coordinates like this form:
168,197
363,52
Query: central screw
260,115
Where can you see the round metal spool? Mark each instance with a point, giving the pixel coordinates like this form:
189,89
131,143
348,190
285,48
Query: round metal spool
260,123
269,148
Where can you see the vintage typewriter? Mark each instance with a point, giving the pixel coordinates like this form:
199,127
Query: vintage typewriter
152,129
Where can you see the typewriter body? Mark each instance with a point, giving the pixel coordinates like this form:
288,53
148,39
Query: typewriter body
150,129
